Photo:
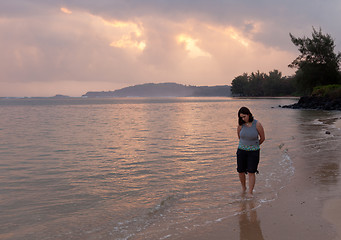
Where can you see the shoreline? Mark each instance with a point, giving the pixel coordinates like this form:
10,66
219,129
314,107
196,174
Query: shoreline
308,207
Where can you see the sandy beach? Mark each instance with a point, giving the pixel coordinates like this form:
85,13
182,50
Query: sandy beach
309,207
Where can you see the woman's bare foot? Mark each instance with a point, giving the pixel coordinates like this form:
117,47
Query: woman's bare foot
249,195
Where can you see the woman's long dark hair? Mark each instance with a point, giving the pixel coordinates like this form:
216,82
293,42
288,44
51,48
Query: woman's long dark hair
244,110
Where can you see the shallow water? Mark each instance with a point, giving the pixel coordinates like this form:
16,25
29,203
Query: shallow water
136,168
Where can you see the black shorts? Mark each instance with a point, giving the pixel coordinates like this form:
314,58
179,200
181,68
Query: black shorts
247,161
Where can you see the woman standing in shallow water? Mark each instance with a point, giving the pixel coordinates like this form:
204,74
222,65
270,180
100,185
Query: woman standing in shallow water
251,135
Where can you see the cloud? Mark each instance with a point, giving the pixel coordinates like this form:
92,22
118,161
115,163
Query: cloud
50,46
65,10
130,36
191,47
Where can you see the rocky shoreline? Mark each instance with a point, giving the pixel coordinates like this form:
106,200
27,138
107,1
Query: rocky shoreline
312,102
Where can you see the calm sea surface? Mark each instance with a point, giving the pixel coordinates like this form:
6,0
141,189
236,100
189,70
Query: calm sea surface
136,168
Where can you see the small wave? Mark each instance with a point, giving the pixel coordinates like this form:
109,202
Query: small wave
165,203
136,226
318,122
276,175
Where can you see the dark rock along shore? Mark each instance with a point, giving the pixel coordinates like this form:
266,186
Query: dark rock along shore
312,102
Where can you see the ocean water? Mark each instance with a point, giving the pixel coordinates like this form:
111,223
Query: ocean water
137,168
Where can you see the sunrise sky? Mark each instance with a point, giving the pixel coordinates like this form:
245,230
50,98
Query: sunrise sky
71,47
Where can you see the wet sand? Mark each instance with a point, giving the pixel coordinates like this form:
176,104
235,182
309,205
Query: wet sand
309,207
332,212
338,123
332,207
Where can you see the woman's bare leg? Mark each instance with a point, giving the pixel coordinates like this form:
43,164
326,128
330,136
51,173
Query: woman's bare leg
252,182
242,179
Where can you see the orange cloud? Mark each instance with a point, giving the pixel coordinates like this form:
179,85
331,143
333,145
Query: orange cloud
65,10
191,46
130,34
233,33
127,42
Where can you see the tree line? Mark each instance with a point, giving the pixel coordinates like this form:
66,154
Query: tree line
261,84
317,65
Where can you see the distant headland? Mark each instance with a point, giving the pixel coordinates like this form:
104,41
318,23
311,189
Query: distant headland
164,90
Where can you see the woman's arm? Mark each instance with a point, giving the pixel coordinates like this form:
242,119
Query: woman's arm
238,130
261,132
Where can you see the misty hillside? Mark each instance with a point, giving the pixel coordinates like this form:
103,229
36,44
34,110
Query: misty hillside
164,90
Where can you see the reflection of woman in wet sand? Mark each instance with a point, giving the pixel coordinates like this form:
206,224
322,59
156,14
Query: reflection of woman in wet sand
251,136
249,223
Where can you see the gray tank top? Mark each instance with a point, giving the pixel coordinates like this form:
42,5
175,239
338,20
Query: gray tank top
249,137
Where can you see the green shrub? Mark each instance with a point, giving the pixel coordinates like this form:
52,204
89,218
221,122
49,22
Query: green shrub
332,91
